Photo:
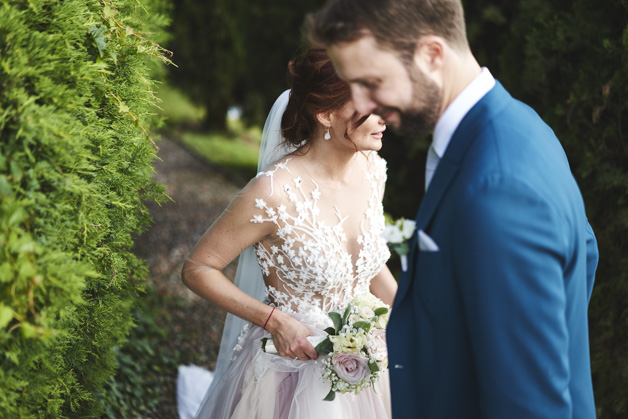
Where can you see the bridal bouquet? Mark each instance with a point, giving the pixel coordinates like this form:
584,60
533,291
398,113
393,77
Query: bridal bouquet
356,346
396,234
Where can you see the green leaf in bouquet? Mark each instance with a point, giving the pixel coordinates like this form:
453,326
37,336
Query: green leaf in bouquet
373,366
366,326
380,311
331,331
335,317
345,316
325,347
330,396
264,340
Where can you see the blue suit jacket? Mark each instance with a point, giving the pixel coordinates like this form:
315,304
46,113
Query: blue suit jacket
494,324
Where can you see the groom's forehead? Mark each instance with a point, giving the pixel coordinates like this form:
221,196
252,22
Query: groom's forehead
360,58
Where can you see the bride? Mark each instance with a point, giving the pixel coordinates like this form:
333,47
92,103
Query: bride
308,230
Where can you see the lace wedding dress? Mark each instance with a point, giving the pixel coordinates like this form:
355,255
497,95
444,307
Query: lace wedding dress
320,258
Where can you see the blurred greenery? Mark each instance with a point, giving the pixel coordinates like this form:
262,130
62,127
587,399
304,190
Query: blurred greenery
233,52
233,150
177,109
137,388
236,156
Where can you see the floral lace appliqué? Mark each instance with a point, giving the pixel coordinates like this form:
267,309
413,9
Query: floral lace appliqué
311,264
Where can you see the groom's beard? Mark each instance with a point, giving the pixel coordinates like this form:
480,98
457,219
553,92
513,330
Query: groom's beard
421,117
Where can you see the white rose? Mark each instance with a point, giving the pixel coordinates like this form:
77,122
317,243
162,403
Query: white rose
367,300
366,313
381,323
392,234
408,228
351,343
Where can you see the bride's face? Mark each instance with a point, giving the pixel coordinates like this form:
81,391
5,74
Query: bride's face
367,136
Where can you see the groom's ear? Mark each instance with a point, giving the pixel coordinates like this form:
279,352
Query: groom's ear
429,53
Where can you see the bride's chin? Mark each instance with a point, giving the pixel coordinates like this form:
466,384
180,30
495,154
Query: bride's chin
377,144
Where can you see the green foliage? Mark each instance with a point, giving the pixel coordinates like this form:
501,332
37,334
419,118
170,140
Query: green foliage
76,109
236,52
236,155
569,61
143,362
406,172
177,109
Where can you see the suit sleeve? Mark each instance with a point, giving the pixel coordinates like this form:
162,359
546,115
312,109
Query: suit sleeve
593,257
510,247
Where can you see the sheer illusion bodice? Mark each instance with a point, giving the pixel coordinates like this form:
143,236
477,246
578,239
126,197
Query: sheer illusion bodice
318,246
320,256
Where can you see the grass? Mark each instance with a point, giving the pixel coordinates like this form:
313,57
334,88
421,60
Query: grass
236,156
177,109
235,151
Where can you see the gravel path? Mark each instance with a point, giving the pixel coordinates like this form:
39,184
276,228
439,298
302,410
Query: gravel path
200,193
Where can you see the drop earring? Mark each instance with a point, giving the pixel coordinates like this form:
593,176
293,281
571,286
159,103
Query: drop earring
327,135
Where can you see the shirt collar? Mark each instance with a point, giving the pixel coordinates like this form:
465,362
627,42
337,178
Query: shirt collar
458,108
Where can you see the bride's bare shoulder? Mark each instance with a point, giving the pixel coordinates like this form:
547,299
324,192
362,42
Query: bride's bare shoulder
269,182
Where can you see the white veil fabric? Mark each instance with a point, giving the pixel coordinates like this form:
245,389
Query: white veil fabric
248,274
272,147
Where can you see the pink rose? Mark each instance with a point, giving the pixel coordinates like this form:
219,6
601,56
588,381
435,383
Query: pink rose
351,367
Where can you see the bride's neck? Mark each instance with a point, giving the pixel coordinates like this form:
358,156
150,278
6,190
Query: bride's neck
327,161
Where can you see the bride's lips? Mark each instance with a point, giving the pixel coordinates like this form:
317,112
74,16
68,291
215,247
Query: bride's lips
379,134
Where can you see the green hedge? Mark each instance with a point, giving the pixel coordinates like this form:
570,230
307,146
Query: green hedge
76,110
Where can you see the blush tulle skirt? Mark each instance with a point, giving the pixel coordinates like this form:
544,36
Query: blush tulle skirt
258,385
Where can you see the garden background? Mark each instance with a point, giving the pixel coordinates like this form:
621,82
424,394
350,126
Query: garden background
93,320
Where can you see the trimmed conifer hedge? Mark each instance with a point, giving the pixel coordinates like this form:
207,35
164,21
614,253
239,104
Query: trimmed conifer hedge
76,112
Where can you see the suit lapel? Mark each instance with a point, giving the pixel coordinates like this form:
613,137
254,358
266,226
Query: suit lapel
468,129
445,174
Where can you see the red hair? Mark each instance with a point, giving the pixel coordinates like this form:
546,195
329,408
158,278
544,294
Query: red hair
316,88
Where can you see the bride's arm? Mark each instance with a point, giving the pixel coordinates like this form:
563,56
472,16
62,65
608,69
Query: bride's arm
222,242
384,286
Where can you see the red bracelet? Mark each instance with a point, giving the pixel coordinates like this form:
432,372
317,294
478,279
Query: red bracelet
271,313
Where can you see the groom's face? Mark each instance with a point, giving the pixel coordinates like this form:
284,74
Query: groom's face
383,84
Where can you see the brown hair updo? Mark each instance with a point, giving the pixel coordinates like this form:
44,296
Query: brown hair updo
315,89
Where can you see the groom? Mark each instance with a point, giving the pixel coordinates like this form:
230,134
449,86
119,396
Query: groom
490,320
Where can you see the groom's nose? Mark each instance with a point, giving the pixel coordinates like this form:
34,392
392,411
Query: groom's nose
362,101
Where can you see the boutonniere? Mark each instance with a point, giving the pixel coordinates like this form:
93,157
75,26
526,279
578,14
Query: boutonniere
396,234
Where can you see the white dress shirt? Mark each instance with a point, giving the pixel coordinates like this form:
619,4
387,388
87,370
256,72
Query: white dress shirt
451,118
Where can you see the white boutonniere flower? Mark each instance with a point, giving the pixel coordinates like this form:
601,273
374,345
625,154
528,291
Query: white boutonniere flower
396,234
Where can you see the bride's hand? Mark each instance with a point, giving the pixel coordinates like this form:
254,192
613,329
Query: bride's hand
289,337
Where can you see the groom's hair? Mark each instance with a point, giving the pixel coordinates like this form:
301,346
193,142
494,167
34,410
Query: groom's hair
395,24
